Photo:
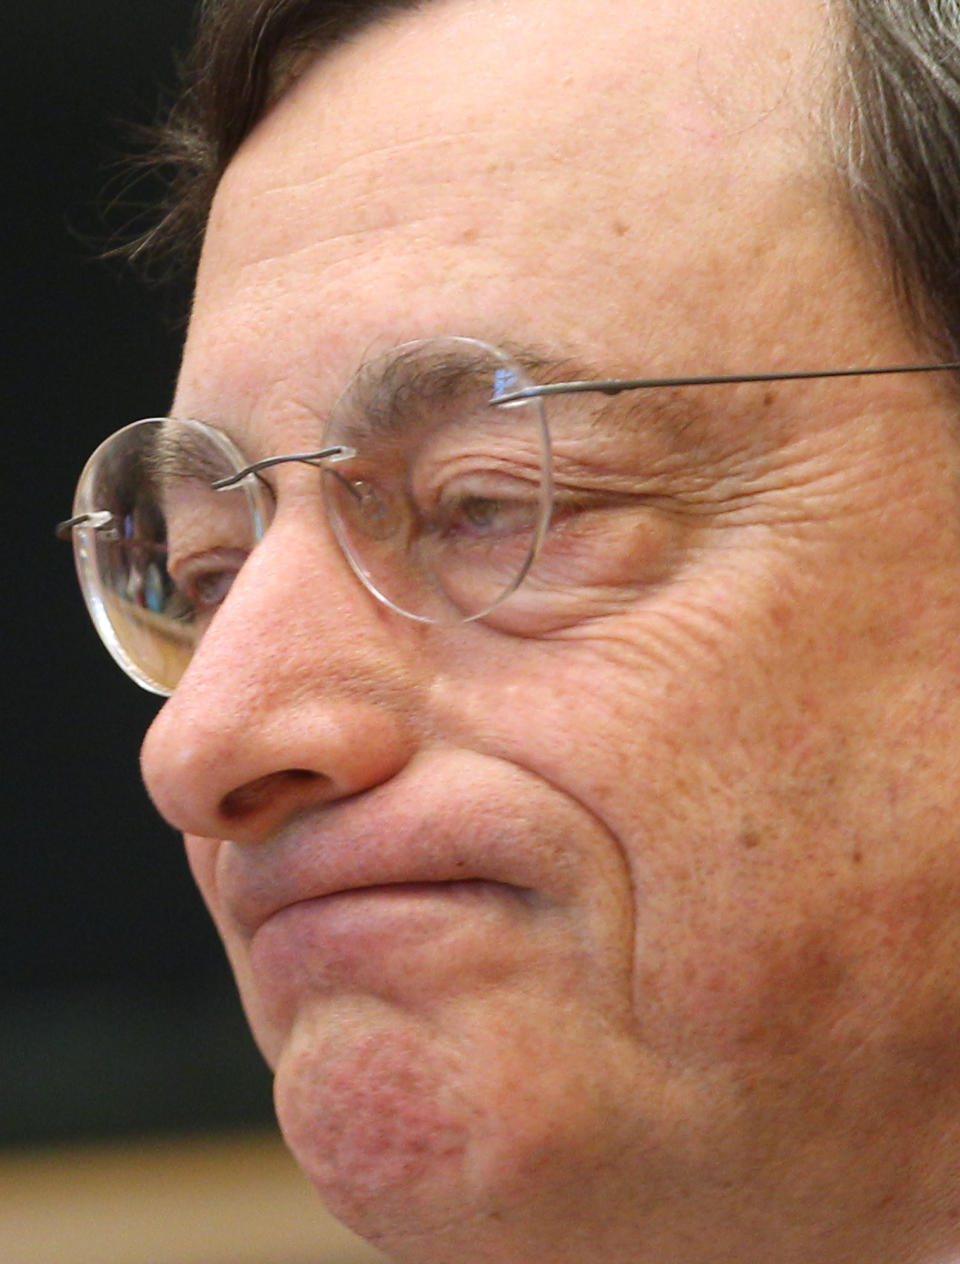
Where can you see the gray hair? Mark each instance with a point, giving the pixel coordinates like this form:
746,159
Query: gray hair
896,133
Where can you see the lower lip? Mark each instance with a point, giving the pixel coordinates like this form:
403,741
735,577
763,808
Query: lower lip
410,907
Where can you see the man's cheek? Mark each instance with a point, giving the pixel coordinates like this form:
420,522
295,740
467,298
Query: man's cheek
202,859
202,856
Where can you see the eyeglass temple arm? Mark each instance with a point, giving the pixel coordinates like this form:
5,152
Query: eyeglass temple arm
614,386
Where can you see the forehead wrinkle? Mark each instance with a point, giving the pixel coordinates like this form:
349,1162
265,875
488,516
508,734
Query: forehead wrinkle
336,255
351,167
355,199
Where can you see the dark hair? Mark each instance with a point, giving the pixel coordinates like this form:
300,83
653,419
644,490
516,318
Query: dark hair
895,124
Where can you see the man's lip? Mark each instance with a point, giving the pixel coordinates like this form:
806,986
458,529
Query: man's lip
353,850
411,943
251,917
449,817
460,892
454,887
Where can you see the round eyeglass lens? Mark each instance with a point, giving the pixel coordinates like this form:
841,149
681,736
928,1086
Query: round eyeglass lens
446,501
157,547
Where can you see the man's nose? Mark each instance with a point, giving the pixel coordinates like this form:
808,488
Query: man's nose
302,692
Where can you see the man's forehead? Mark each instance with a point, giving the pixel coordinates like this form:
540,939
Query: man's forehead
524,118
617,80
468,168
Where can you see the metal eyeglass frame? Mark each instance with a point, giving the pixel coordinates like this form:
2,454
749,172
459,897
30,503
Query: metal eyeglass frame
603,386
503,395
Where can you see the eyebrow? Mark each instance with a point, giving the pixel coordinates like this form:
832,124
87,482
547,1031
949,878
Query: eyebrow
552,369
679,404
389,387
387,390
415,378
181,455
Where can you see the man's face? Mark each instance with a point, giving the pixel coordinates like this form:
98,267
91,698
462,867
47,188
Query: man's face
636,937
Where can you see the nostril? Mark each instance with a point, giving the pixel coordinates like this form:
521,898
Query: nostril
252,796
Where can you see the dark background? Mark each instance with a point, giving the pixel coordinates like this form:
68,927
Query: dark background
117,1014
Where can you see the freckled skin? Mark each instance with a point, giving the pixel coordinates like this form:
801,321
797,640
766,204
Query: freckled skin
719,1023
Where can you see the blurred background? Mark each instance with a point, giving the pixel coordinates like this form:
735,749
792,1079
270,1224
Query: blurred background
121,1039
116,1011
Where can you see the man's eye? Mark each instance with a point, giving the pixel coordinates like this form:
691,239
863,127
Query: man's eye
211,588
484,509
205,579
488,515
484,512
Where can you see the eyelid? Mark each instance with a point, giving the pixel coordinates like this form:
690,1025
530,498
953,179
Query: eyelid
202,557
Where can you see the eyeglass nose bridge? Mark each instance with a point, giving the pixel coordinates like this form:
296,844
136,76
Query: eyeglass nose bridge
317,459
379,521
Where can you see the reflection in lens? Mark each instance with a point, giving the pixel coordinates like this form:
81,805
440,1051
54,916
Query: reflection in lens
444,507
155,574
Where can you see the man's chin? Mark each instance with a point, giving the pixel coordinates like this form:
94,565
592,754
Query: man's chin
411,1131
376,1114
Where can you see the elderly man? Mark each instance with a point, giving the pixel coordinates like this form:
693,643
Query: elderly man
573,775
